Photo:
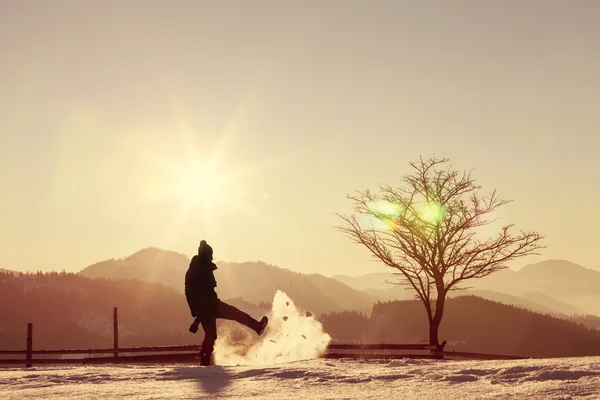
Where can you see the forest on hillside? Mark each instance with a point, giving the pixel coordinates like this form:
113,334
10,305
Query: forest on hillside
72,311
470,324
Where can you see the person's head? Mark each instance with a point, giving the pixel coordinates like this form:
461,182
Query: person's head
205,251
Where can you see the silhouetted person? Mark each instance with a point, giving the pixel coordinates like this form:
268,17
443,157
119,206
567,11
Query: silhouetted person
205,305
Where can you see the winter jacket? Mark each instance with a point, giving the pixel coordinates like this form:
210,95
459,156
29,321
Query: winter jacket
200,286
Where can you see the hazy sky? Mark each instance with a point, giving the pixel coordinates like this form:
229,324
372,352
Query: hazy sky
105,104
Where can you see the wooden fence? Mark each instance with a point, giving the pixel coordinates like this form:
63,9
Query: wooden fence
190,353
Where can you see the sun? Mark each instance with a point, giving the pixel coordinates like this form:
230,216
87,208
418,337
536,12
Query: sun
198,183
195,175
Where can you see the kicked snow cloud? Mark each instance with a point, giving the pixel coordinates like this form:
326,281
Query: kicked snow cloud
291,335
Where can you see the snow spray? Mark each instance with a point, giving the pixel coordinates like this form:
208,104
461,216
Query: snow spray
291,335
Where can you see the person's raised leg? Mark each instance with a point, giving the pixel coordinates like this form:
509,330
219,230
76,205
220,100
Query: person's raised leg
226,311
210,336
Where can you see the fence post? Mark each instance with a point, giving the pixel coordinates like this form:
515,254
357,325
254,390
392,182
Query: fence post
116,332
29,343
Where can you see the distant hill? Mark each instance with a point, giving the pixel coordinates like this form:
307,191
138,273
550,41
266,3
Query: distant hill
553,286
544,305
253,281
150,265
257,282
72,311
532,301
556,286
590,321
470,324
394,292
8,271
374,281
560,280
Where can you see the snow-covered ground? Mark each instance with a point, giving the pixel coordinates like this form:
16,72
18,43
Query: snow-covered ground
284,363
314,379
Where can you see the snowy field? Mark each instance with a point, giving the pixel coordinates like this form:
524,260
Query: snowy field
284,363
314,379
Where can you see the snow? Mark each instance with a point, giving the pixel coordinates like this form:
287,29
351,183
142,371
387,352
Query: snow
314,379
285,363
291,335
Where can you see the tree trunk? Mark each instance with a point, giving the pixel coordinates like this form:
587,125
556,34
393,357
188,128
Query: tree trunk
434,325
433,332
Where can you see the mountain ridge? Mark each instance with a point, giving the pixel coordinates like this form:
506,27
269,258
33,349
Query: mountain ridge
254,281
556,286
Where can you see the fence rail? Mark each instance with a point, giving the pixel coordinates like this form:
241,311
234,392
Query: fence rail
106,351
153,358
383,346
189,353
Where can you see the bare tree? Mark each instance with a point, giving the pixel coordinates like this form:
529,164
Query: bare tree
427,229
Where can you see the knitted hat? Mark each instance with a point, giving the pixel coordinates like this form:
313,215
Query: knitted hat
205,250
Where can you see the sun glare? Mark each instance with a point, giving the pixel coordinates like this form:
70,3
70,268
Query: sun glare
198,184
195,175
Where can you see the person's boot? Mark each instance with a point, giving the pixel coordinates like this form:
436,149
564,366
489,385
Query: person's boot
205,360
262,324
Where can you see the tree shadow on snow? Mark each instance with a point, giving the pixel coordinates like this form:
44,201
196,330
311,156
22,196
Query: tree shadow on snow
211,379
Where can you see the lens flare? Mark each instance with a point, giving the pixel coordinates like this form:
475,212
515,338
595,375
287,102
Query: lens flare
384,208
433,213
